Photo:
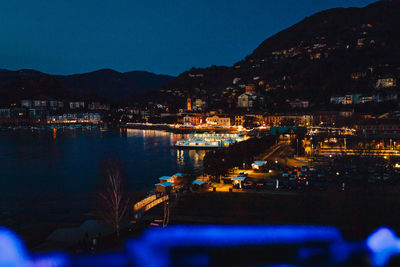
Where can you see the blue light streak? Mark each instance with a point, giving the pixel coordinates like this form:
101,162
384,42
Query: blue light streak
383,244
154,247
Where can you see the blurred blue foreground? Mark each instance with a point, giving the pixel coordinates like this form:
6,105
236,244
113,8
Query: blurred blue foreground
223,246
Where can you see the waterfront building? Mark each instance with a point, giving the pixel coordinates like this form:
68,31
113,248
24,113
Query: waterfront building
164,179
239,120
283,119
75,118
164,188
94,117
382,128
176,178
218,121
193,120
198,185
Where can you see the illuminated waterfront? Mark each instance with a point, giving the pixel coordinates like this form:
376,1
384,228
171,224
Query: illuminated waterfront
55,172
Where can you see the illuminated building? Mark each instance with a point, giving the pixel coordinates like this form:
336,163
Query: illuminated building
387,82
189,104
218,121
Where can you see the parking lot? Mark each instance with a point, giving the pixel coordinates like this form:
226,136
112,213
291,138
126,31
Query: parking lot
285,172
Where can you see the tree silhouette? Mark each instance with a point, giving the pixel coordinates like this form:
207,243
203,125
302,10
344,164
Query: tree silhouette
113,199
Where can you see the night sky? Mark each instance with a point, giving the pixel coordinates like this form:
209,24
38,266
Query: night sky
162,36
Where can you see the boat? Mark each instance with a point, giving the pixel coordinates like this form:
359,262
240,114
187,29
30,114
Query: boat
209,140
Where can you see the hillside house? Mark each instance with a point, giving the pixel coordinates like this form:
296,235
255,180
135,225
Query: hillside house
385,83
299,104
246,100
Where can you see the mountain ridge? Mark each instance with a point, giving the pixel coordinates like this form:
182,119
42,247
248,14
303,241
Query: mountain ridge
102,84
312,60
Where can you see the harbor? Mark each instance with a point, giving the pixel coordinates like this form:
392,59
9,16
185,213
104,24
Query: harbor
210,140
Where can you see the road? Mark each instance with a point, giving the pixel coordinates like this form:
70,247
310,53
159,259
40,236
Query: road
283,154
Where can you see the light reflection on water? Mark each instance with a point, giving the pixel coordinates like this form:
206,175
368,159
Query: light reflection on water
186,160
193,157
53,174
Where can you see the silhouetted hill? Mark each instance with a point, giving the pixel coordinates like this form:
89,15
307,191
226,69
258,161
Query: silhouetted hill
312,60
103,84
29,84
111,84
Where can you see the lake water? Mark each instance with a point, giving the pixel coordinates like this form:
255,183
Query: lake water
50,176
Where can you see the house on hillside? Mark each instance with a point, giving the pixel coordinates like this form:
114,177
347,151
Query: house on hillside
385,83
246,100
299,104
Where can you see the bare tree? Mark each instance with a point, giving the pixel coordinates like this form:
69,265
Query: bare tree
113,198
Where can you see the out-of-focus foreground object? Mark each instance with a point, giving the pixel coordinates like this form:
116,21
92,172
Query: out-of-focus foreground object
222,246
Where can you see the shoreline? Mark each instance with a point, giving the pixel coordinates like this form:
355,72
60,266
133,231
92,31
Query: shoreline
169,128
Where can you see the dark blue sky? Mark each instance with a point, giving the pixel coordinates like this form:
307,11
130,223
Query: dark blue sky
162,36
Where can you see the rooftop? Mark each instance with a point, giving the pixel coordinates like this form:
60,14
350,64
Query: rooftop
198,182
165,184
259,162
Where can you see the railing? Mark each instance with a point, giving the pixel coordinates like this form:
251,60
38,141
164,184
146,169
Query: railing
149,202
155,203
144,202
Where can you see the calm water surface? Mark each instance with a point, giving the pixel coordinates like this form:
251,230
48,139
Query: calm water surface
48,176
